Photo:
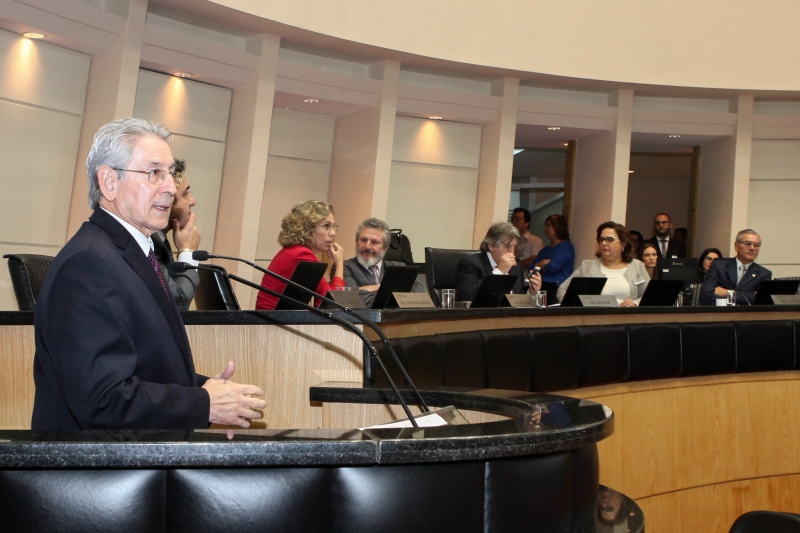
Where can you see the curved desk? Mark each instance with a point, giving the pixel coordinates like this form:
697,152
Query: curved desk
534,470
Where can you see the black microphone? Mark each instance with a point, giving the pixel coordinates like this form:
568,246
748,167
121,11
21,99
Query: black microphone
183,267
203,255
724,285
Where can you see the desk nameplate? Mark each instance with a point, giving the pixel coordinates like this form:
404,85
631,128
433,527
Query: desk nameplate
786,299
411,300
520,300
602,300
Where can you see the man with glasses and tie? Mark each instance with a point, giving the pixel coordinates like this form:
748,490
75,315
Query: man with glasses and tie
366,270
739,273
497,256
111,347
665,245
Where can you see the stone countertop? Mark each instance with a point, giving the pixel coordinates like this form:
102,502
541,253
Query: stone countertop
537,423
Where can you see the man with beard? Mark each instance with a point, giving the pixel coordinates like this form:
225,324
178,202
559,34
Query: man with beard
666,247
366,270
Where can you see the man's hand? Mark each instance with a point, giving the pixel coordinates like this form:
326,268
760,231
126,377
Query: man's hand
535,282
627,303
506,262
231,403
188,237
721,292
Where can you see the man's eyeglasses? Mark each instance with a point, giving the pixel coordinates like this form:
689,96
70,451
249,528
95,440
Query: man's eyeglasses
750,243
510,247
609,240
155,176
328,227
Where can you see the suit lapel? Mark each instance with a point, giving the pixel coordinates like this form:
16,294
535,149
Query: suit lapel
132,254
485,263
749,276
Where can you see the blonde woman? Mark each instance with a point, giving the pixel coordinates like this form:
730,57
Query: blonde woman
308,230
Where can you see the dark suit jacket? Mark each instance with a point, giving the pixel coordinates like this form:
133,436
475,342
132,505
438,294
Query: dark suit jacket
723,274
674,248
111,348
181,285
356,276
471,270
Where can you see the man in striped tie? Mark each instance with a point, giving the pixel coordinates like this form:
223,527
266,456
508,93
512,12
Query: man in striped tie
111,347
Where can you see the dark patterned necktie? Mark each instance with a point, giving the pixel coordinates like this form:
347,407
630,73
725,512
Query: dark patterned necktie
157,267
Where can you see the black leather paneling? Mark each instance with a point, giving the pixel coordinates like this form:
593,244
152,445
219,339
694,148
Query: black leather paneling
555,361
763,346
507,358
423,361
223,500
419,498
654,351
82,501
604,354
708,348
463,359
766,522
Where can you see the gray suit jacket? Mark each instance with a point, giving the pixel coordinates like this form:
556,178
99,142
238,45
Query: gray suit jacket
635,274
181,286
357,276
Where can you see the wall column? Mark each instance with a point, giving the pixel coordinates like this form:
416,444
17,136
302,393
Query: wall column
600,191
245,167
361,163
110,95
497,161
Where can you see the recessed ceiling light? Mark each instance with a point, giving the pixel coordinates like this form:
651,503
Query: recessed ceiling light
566,144
554,128
518,150
33,35
630,172
673,136
183,74
435,118
311,101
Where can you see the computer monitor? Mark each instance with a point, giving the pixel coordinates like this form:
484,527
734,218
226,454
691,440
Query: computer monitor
308,274
492,290
661,293
395,279
684,269
775,286
582,286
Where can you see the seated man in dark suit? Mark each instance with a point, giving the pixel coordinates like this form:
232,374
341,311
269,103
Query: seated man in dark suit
111,347
366,270
496,257
187,240
738,273
666,246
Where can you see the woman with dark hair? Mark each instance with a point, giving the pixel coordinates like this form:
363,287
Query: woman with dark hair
648,255
308,230
557,260
627,277
636,241
706,258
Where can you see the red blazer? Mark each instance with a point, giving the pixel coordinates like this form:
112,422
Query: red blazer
284,264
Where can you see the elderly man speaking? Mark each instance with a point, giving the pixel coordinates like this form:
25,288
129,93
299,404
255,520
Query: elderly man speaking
111,348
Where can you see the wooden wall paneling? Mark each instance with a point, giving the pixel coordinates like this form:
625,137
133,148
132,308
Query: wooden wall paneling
16,381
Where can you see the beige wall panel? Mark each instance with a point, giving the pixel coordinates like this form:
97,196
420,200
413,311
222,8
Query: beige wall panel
435,142
648,196
715,196
8,302
289,182
41,74
775,160
37,150
204,170
184,106
773,213
434,206
301,135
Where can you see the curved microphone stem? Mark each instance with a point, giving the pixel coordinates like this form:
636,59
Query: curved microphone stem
725,285
329,316
203,256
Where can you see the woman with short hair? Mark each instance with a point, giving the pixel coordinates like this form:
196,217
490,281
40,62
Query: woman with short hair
627,277
307,230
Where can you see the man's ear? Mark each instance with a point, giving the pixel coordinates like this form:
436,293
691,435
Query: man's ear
108,181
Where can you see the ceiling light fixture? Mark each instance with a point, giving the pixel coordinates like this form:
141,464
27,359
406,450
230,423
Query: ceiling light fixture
311,101
183,74
435,118
630,172
674,136
566,144
554,128
33,35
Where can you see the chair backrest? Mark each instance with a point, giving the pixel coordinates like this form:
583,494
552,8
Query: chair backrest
399,248
442,265
27,277
214,292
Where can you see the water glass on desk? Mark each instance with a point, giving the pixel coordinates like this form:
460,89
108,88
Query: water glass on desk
540,299
448,298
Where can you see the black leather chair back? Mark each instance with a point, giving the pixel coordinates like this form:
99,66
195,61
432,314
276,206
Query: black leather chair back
214,292
442,265
762,521
27,277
